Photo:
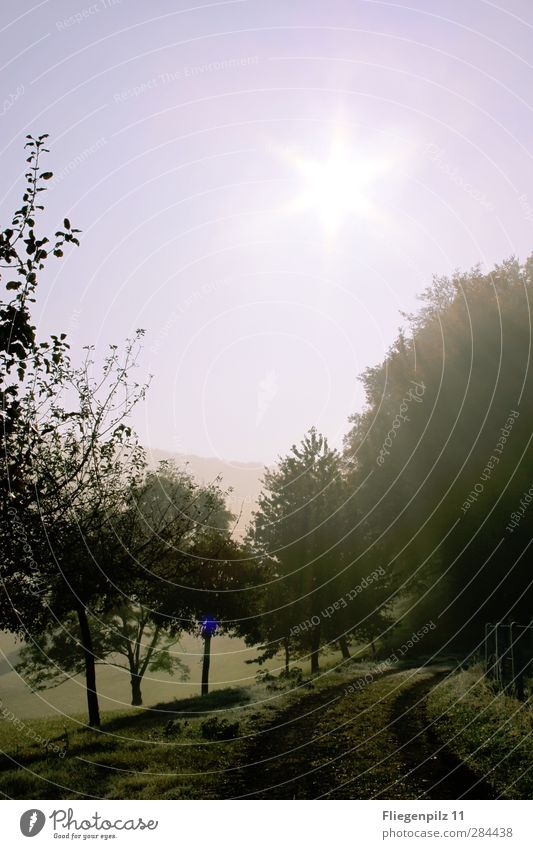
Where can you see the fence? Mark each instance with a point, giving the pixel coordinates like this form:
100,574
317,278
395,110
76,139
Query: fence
509,656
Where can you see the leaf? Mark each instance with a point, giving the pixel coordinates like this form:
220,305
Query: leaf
46,175
13,284
66,223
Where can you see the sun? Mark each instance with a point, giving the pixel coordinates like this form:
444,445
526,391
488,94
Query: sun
338,187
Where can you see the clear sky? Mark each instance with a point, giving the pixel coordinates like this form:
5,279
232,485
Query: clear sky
263,185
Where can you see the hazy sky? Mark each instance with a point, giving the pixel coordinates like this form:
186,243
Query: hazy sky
191,144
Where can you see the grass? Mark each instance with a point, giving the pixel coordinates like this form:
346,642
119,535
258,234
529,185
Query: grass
192,748
160,753
157,753
339,743
371,763
490,731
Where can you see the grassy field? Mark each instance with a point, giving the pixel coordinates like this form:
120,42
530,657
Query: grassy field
302,738
489,731
178,750
161,753
228,669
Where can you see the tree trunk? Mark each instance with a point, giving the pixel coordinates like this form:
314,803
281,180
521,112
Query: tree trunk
90,667
136,695
205,665
343,645
287,657
315,646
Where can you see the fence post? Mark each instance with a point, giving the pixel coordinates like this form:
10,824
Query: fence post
518,677
487,630
509,656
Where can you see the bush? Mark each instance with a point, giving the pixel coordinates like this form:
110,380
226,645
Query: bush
219,729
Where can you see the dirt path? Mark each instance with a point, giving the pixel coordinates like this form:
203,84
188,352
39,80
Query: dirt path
433,770
280,760
372,743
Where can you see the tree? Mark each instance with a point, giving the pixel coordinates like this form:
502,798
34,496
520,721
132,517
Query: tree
132,633
87,460
67,448
126,634
297,529
24,360
224,600
445,450
157,538
168,523
181,534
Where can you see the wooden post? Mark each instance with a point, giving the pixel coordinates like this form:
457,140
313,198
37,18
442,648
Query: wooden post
206,662
518,664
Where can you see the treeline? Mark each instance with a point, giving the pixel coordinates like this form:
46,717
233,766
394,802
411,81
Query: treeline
421,523
439,507
418,526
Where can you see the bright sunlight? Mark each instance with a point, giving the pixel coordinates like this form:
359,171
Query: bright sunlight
338,187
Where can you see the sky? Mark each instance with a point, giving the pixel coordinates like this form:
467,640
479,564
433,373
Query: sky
264,186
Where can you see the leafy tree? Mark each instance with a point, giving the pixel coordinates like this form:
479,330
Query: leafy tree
297,529
181,533
225,599
178,533
125,638
24,360
87,460
67,449
439,504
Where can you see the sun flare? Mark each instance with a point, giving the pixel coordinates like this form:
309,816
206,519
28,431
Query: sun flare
337,187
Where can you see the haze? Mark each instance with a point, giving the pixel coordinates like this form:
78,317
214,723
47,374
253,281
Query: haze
177,138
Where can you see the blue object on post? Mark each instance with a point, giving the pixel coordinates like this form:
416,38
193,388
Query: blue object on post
208,626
